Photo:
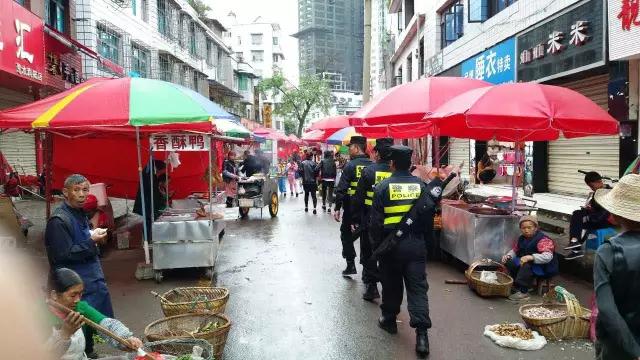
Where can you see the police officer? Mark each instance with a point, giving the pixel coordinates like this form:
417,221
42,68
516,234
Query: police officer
393,198
360,206
345,190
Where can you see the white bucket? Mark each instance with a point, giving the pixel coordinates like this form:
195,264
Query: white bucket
99,190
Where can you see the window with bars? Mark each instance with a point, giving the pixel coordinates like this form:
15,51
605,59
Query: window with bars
257,55
209,53
144,9
451,24
165,67
276,41
54,14
256,39
192,38
163,17
481,10
181,35
134,7
140,61
109,44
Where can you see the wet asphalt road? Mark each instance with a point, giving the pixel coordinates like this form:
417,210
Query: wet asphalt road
289,301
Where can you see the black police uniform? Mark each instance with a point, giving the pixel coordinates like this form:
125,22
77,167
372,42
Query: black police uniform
360,206
393,198
344,191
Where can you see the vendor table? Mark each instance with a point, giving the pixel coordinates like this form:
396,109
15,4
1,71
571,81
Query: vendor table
181,240
470,237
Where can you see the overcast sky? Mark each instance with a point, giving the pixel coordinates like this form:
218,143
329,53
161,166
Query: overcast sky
284,12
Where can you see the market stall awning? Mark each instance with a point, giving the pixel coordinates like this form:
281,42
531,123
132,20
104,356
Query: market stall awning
316,135
410,102
522,112
331,123
116,103
269,134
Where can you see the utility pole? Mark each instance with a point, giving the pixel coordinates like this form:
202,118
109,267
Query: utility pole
366,66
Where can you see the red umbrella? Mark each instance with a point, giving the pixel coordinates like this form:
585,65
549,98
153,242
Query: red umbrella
294,139
331,123
399,131
522,112
409,102
317,135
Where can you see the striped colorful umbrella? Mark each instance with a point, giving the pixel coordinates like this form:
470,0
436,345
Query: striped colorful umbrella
342,136
115,103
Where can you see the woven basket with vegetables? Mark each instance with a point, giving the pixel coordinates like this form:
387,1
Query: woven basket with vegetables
180,348
213,328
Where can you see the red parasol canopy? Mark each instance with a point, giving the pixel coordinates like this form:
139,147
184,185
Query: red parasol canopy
317,135
522,112
270,134
408,103
398,131
331,123
294,139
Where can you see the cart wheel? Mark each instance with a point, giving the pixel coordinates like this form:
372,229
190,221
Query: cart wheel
158,276
209,273
244,212
274,205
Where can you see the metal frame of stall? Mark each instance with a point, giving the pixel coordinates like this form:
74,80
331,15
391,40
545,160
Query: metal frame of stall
177,254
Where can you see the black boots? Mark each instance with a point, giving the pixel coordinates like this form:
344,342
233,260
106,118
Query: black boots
422,343
351,268
388,325
371,293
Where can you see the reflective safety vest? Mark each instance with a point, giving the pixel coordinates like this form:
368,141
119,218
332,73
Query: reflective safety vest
379,176
401,198
354,184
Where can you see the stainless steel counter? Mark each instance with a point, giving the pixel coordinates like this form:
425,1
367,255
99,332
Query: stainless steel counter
185,244
470,237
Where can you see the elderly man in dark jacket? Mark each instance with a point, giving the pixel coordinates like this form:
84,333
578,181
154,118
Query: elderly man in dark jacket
309,182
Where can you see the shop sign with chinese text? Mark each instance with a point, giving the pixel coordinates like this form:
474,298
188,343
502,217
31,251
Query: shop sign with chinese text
496,65
63,66
180,142
624,29
21,42
568,43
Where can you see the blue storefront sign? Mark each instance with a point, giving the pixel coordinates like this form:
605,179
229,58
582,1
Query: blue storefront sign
496,65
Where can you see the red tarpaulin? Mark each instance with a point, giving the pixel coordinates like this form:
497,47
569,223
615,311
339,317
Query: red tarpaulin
113,161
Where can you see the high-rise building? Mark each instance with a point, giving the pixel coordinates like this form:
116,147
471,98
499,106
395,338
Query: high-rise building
331,41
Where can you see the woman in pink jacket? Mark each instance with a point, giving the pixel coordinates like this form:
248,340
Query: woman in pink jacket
292,169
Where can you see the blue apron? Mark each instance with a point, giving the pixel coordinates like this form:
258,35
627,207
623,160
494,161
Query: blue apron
95,286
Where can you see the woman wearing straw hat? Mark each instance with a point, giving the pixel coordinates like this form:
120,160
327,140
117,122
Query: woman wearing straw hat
617,275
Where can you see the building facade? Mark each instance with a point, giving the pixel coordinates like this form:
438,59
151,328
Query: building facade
330,37
38,57
559,42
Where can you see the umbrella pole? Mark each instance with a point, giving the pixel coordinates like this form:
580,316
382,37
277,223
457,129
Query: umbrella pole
147,258
209,180
514,187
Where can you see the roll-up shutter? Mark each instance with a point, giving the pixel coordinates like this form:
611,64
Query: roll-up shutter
18,148
567,156
459,152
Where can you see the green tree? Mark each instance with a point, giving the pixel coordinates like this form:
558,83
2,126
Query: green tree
313,93
200,7
290,126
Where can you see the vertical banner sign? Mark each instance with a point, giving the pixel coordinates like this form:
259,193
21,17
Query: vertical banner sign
21,42
496,65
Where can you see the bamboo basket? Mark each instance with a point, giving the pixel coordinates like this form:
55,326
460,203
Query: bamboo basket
485,289
575,325
180,326
178,347
188,300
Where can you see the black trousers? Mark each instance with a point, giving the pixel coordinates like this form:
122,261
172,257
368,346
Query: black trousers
370,272
313,190
394,273
327,192
578,224
88,339
347,238
523,276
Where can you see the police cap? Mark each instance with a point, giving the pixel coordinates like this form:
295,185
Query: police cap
383,144
358,140
400,152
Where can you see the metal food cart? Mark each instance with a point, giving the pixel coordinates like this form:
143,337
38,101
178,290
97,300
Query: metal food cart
181,239
257,192
470,236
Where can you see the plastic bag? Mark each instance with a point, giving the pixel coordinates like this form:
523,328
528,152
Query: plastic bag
537,343
489,277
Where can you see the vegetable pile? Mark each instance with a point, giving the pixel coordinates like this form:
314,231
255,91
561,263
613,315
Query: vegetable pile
544,313
513,330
